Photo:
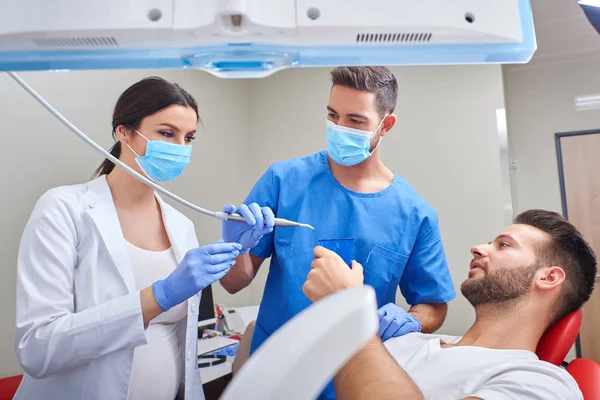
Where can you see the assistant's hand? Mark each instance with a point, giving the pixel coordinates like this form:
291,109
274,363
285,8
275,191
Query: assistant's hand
259,222
199,268
330,274
394,321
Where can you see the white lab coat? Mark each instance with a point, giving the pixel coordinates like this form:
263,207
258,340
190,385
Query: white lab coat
79,314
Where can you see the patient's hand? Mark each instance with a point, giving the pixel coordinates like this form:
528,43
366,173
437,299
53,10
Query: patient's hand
330,274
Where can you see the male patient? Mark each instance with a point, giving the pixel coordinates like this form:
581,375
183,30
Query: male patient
531,275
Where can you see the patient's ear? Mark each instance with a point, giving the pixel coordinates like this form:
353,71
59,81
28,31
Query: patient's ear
549,278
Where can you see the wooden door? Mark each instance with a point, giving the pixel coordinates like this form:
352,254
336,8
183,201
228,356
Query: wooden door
579,164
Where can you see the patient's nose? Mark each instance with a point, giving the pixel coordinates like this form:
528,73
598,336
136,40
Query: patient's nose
479,251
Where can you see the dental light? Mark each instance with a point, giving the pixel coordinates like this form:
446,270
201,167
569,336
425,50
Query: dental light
255,38
297,361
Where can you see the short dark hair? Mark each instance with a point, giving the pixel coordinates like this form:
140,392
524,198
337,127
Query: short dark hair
140,100
378,80
569,250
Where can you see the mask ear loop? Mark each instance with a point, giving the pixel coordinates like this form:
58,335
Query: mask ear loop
130,148
380,137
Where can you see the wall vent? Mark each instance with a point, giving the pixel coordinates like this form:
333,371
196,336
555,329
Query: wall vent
98,41
393,37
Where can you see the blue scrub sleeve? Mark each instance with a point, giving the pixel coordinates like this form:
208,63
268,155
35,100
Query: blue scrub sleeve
266,194
426,278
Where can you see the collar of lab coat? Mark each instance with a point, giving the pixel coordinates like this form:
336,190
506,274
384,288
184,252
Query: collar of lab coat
101,208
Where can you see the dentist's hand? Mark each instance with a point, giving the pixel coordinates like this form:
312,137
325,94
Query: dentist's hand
199,268
259,222
394,321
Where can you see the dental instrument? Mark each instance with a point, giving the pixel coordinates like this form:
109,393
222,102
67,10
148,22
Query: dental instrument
215,214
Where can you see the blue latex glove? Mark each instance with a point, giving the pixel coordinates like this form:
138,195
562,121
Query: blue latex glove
199,268
259,222
394,321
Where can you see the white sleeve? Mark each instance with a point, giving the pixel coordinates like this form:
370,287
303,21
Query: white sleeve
535,381
50,337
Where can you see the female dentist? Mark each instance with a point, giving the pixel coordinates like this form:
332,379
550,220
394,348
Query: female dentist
109,275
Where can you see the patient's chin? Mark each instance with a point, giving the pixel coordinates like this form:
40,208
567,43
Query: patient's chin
471,289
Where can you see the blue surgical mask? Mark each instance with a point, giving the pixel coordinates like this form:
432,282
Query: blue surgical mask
349,146
163,161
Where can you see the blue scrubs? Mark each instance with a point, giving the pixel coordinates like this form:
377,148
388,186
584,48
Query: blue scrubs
396,234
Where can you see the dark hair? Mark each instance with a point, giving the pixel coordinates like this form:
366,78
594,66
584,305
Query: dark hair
144,98
569,250
378,80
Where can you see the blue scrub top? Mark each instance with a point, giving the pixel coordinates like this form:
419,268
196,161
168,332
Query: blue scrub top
397,240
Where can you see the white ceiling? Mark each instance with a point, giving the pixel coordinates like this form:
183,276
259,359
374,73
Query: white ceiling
563,34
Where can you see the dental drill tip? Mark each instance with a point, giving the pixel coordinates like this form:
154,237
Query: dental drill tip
292,224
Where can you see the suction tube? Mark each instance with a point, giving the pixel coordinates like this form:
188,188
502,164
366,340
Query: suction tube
223,216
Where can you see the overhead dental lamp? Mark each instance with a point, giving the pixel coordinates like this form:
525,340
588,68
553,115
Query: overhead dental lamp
255,38
297,361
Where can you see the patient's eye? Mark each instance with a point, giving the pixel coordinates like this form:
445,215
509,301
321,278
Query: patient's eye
504,244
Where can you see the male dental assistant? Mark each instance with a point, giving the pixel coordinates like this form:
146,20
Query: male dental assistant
347,192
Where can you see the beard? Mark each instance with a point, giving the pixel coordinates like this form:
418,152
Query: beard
498,286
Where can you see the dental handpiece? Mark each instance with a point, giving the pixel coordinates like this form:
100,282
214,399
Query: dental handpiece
278,221
223,216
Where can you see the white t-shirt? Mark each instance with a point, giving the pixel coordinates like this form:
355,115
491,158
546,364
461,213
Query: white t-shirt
158,366
469,371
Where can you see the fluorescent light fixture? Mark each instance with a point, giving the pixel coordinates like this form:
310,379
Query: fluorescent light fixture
585,103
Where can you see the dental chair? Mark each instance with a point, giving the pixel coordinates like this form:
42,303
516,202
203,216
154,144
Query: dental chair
554,347
559,339
587,375
285,366
9,386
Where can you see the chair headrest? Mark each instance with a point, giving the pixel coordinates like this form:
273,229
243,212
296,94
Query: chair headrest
558,340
